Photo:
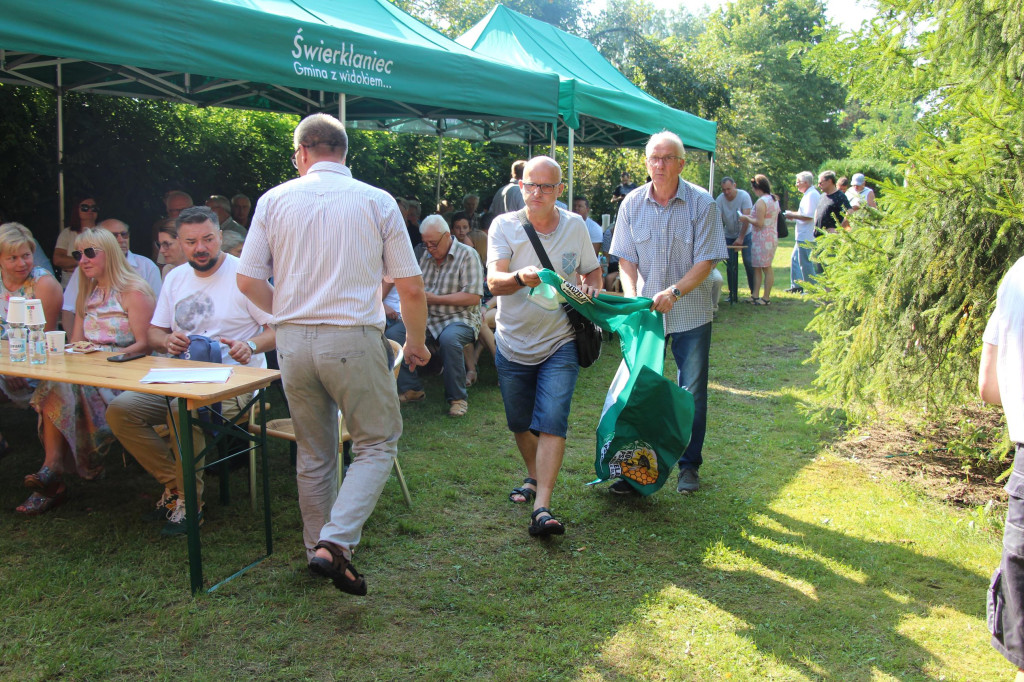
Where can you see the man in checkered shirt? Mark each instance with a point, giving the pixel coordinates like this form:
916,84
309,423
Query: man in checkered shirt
453,279
668,238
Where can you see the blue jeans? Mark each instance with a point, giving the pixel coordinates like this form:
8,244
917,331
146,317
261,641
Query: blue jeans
538,397
801,269
732,267
450,342
691,350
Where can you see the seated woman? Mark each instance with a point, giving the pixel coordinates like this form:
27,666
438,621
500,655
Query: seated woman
84,214
167,243
113,311
21,277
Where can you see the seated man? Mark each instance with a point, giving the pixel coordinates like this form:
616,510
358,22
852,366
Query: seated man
200,297
453,278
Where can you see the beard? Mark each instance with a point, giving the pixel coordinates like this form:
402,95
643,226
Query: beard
209,265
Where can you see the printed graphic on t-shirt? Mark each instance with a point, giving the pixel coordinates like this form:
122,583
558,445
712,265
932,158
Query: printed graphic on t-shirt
194,312
569,260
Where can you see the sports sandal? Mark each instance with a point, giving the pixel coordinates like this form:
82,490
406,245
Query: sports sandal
335,570
541,525
526,493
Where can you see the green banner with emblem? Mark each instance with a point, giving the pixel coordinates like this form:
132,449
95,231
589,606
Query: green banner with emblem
646,420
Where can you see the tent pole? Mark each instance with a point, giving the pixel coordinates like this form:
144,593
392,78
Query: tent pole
440,150
711,178
572,140
342,114
60,147
554,138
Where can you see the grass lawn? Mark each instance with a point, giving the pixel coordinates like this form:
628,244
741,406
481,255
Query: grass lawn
789,564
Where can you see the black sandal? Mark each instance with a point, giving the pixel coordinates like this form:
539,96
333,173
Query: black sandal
335,570
542,527
527,493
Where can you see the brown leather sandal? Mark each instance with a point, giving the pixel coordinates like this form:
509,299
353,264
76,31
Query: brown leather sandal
336,569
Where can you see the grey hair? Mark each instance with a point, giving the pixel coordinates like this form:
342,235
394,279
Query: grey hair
195,215
805,176
665,136
321,130
434,222
221,201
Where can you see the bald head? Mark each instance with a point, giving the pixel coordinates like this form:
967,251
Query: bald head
543,162
119,229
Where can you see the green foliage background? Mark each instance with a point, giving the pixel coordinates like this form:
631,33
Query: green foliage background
911,287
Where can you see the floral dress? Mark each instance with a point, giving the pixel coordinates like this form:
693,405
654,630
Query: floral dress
79,412
21,397
765,239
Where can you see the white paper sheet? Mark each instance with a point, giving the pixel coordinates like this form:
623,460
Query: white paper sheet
187,375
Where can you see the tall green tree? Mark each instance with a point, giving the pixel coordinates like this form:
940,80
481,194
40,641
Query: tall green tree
912,286
785,111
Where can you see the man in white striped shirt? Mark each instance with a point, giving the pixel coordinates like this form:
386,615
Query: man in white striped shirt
328,240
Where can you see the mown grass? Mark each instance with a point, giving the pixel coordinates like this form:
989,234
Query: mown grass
789,564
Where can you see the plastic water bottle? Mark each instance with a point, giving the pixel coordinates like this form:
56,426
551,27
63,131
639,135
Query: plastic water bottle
603,260
16,332
35,323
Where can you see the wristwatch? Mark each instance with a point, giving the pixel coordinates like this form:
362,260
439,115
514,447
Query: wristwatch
675,292
252,346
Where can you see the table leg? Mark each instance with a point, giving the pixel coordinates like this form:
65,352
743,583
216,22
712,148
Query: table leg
266,478
188,466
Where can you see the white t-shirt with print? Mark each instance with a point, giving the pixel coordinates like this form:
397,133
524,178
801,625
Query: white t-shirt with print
211,306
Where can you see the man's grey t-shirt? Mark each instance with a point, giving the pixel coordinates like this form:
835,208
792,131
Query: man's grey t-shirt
730,219
526,332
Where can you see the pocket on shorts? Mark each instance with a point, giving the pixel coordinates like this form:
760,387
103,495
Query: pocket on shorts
996,603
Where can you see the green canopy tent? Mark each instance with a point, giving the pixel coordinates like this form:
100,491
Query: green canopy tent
598,105
372,64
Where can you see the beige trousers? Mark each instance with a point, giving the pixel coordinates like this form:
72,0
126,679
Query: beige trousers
132,416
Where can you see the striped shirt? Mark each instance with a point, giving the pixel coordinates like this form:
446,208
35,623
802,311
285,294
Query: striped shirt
459,272
666,241
327,240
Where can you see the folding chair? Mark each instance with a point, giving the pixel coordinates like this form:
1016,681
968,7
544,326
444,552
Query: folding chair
285,430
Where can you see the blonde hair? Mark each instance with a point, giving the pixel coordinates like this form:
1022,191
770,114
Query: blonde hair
119,275
13,236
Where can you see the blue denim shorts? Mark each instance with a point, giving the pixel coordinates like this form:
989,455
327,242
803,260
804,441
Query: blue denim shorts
538,397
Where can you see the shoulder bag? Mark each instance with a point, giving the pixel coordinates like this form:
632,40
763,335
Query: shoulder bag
588,335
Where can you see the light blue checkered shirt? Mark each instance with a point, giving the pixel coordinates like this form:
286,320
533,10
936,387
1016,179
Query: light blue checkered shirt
665,242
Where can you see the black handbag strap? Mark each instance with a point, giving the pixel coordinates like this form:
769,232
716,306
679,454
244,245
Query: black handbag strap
534,239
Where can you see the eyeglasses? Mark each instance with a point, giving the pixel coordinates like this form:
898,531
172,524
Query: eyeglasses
165,245
543,188
88,208
659,160
434,245
89,252
120,235
295,154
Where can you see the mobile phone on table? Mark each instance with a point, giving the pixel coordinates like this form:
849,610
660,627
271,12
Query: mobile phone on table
125,357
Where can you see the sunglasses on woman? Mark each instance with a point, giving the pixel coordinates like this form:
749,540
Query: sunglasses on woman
88,208
89,252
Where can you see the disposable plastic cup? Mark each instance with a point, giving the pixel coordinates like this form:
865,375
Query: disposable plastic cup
55,342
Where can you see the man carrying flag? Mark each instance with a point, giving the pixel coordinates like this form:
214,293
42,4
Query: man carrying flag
536,351
669,233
